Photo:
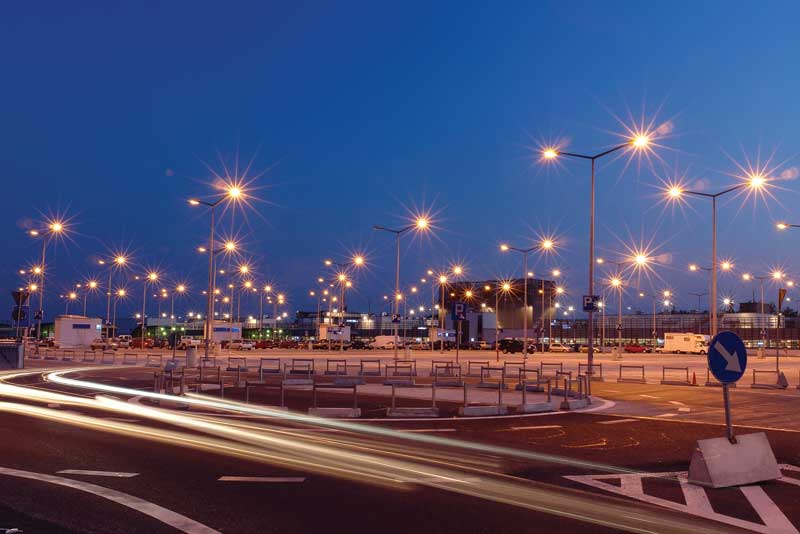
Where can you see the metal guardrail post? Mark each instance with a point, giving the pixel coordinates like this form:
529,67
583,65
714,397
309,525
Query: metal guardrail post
465,394
549,391
433,394
393,397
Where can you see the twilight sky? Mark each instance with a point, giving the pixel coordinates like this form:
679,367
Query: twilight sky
356,113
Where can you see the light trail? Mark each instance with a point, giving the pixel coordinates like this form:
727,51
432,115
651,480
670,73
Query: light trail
341,456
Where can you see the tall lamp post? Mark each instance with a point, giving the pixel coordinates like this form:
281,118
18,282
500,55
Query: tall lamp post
639,142
546,244
232,193
420,225
676,192
152,277
53,229
776,276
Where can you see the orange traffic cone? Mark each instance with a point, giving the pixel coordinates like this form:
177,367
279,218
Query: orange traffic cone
694,378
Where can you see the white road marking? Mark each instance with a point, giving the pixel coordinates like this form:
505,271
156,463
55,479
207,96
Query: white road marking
696,498
262,479
667,415
649,396
168,517
537,427
429,430
677,403
615,421
684,409
115,474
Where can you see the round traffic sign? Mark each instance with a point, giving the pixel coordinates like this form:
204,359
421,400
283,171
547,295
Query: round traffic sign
727,357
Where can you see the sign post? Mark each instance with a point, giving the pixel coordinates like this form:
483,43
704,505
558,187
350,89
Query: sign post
459,314
731,461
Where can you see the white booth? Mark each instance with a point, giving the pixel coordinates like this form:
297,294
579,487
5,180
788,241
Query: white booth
76,330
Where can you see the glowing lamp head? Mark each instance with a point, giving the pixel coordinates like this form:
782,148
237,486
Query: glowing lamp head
421,223
640,141
442,279
504,247
726,266
342,277
181,288
37,270
194,202
556,272
782,226
667,293
235,192
57,227
790,283
267,289
756,181
33,287
549,153
675,192
693,267
616,282
121,293
34,233
506,286
547,244
458,270
152,277
248,284
727,302
92,284
358,260
244,269
640,259
746,276
73,296
468,294
777,275
230,246
559,290
120,260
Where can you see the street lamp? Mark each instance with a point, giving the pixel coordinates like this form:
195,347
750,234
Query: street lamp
53,229
232,193
676,192
775,275
422,224
151,278
640,141
91,286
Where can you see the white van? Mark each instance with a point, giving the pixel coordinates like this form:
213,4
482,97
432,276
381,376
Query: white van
688,343
124,341
384,342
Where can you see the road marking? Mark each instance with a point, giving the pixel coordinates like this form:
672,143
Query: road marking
115,474
684,409
649,396
429,430
696,499
262,479
615,421
537,427
677,403
168,517
668,415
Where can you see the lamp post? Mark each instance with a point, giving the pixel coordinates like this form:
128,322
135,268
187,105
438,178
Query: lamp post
665,294
676,192
421,224
119,295
91,285
775,276
638,142
505,288
358,261
152,277
53,229
546,244
232,193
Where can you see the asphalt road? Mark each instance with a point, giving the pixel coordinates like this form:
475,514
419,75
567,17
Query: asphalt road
450,475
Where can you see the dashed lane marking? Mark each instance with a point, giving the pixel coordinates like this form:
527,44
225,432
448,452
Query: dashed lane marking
668,415
429,430
684,409
616,421
696,498
649,396
536,427
677,403
168,517
114,474
282,480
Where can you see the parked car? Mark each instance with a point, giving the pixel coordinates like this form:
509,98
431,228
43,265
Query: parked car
635,348
288,344
136,343
559,347
510,345
124,341
264,344
585,348
241,344
99,344
359,344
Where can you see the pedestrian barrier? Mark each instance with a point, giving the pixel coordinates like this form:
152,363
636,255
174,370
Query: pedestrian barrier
400,373
550,369
447,374
395,411
580,398
153,360
512,368
334,385
299,366
530,380
778,382
295,383
238,365
68,355
492,377
49,354
474,367
631,373
335,366
583,369
178,361
130,358
271,366
483,410
107,357
89,356
211,361
33,355
211,376
712,381
678,376
371,367
436,363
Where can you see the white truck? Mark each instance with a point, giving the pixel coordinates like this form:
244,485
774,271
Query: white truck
384,342
688,343
189,341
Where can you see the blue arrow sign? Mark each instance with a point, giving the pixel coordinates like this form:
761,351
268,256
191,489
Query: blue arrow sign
727,357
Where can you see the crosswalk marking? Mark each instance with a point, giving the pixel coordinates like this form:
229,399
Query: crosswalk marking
696,498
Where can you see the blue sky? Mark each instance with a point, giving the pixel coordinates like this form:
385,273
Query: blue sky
357,111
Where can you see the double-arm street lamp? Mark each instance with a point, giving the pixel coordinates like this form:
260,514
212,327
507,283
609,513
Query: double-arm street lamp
420,225
53,229
775,276
755,182
638,142
545,245
665,295
232,193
